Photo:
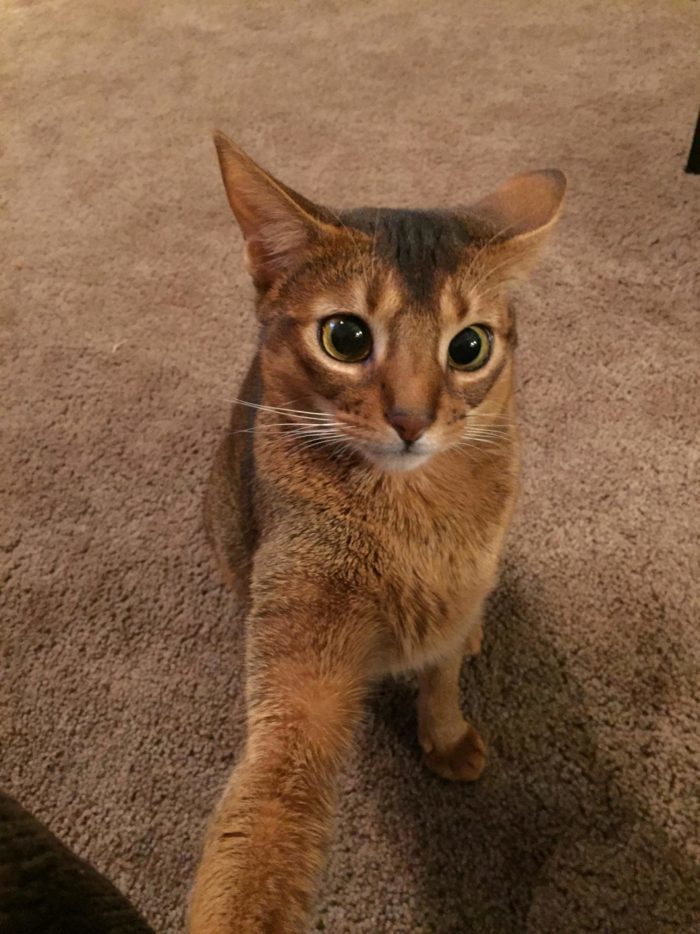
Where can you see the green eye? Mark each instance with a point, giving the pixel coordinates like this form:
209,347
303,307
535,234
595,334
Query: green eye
471,348
346,338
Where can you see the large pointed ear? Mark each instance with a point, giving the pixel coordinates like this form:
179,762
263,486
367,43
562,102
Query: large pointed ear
517,218
277,223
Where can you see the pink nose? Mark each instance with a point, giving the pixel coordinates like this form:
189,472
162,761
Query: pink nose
409,425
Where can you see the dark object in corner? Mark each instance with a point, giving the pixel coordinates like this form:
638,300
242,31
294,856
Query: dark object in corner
46,889
693,166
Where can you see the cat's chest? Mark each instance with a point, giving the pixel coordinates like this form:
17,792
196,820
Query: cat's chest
444,559
436,571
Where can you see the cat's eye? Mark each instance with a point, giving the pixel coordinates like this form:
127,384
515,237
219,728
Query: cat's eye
471,348
346,338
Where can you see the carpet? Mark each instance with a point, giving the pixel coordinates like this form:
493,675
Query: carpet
125,326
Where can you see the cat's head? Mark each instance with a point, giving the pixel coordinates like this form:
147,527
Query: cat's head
388,332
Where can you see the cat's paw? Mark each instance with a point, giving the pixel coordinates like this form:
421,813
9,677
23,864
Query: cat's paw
463,761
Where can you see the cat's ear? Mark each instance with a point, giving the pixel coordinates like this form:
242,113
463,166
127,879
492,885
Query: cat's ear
517,218
277,223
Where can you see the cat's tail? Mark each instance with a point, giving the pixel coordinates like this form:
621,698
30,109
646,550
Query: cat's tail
267,843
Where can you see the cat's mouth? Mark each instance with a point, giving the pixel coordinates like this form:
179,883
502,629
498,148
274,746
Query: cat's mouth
392,455
396,458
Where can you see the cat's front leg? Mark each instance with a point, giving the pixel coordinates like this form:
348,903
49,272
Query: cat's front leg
308,659
452,747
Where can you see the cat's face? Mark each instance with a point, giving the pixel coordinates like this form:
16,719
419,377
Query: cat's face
387,333
394,375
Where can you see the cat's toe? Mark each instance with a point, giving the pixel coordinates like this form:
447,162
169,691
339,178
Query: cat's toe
464,761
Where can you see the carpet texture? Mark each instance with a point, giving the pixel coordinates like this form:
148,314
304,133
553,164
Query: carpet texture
126,324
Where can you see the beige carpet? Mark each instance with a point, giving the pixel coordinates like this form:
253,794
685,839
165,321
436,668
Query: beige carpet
126,323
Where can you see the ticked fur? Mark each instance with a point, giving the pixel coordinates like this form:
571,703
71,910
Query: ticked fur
355,552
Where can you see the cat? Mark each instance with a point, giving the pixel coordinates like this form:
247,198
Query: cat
359,503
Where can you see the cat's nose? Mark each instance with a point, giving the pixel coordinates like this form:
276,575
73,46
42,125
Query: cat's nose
409,425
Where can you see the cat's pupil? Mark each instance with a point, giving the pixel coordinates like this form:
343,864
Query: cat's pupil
465,347
349,336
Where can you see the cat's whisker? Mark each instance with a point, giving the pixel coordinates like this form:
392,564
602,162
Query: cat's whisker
295,419
273,425
471,450
486,420
320,430
282,410
477,434
314,436
296,423
485,433
491,432
300,413
319,442
487,413
503,431
321,426
301,426
475,449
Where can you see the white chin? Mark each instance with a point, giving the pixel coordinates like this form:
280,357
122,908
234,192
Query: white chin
397,461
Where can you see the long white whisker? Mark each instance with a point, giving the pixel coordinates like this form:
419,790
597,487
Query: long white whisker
474,448
292,425
318,442
283,410
325,436
486,439
296,423
488,429
490,423
486,414
477,434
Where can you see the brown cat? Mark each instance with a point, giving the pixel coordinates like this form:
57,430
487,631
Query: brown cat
358,504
